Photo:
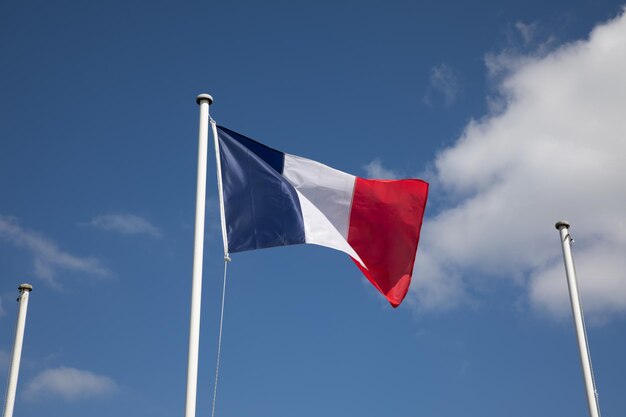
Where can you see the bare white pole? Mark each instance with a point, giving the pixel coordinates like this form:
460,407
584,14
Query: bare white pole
204,101
9,403
579,323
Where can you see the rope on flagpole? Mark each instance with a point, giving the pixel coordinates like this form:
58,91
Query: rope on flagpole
220,188
219,339
220,192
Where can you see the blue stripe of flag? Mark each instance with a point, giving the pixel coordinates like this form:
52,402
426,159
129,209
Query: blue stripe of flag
262,208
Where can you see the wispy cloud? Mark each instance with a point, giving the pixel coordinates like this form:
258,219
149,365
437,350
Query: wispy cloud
503,63
527,31
375,169
525,44
48,258
555,151
443,85
70,384
126,224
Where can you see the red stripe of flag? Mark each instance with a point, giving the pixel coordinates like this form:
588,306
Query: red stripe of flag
385,223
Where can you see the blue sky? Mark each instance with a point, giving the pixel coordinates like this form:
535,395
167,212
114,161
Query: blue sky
513,111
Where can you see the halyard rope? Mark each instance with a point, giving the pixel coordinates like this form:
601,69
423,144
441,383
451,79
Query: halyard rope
219,339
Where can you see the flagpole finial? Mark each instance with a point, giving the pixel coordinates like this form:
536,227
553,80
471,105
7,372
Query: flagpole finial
204,96
561,224
25,287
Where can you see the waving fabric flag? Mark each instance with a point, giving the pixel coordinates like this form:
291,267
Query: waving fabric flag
275,199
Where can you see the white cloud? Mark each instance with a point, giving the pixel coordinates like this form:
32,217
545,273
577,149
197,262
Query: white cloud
69,384
48,258
555,151
126,224
375,169
444,83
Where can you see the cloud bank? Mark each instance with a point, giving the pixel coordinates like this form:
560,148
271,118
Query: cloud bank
48,258
126,224
69,384
554,151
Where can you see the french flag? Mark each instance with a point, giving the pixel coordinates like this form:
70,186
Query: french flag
275,199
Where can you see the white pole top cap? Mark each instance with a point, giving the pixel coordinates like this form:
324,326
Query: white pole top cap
561,224
202,97
25,287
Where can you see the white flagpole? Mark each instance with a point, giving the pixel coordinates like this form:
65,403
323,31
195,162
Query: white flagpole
9,403
579,323
204,101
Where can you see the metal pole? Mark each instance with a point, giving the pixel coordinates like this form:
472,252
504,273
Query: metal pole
9,403
579,323
204,100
